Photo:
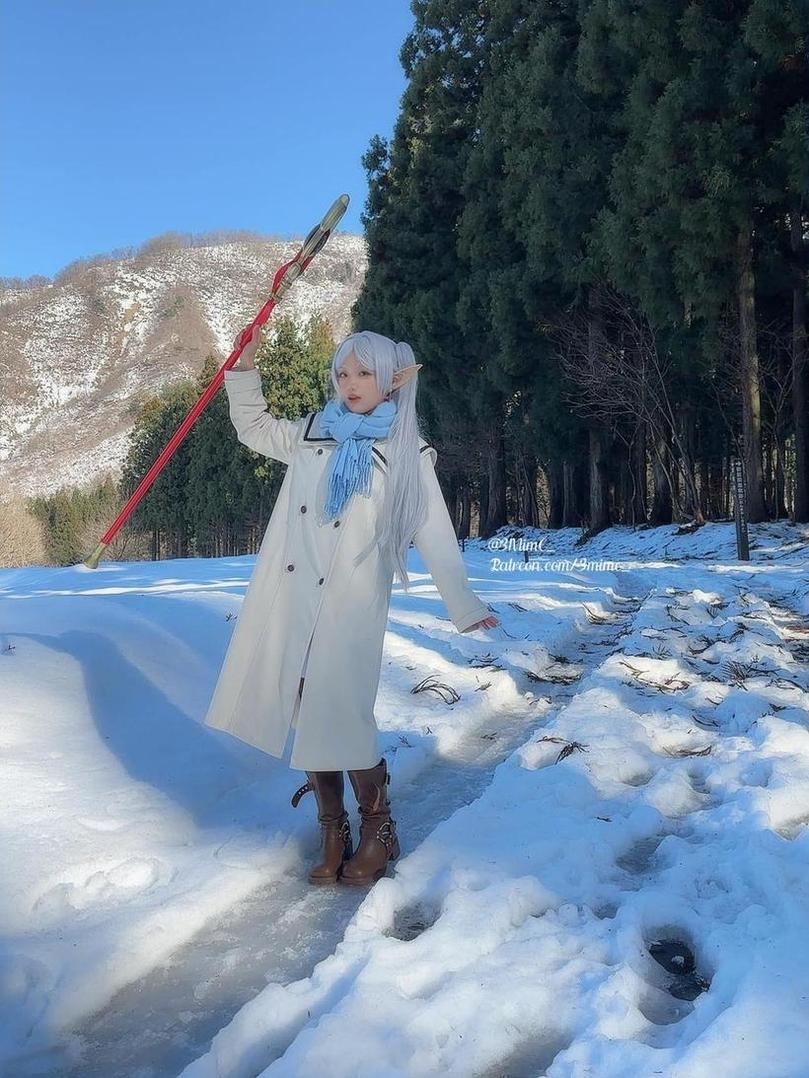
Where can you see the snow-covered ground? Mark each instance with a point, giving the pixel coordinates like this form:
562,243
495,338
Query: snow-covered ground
605,850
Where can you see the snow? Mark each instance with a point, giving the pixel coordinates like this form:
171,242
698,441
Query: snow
84,351
604,840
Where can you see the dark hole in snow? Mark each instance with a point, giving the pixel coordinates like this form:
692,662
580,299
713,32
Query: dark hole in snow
606,912
532,1058
677,958
638,857
410,922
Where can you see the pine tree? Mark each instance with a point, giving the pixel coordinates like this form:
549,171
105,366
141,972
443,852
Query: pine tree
412,287
164,510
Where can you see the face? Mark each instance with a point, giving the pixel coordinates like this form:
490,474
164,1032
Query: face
357,386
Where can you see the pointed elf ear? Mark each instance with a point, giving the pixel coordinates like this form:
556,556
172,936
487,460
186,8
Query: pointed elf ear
404,374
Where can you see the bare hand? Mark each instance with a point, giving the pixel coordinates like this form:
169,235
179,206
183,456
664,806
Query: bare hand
247,359
487,623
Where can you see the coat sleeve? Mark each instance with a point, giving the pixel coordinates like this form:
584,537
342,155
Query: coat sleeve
437,544
255,427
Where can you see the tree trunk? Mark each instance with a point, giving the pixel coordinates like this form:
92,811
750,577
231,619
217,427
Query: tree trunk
571,516
495,516
780,477
465,522
716,507
621,487
556,473
483,505
686,441
751,397
661,498
533,477
800,368
768,479
526,486
599,482
637,460
704,491
599,471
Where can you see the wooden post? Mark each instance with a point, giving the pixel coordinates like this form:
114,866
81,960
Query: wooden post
740,509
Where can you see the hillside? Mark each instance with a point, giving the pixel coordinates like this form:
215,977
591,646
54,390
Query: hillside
78,353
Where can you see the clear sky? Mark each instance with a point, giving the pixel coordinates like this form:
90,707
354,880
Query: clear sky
122,119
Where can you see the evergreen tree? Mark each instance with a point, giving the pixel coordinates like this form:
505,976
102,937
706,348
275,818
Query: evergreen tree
61,519
412,287
699,185
217,468
164,509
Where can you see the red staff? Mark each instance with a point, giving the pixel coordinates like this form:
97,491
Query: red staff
283,280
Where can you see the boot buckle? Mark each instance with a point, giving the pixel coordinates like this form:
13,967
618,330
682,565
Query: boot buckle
387,833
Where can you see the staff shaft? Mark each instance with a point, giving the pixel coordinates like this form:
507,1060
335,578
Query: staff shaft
284,278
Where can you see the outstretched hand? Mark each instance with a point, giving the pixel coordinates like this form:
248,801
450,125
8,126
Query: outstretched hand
487,623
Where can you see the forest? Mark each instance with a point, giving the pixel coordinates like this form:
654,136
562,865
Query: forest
590,222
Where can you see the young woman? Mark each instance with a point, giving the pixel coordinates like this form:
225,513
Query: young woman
304,661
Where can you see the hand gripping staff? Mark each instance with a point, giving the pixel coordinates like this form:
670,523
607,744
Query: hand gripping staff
283,280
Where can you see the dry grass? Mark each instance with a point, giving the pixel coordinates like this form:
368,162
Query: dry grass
22,539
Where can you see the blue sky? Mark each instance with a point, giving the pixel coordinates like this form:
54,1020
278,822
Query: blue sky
122,119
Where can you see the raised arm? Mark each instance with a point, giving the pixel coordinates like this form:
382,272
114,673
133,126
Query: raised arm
255,426
437,544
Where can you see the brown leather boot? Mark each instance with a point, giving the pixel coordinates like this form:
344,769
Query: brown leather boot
335,837
378,840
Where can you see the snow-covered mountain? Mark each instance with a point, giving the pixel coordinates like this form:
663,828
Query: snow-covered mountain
78,352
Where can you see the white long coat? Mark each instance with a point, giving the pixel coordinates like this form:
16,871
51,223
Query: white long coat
305,589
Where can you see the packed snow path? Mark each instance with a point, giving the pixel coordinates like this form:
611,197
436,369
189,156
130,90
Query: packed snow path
618,913
281,932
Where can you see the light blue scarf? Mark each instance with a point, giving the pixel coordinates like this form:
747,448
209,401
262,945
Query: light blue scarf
351,464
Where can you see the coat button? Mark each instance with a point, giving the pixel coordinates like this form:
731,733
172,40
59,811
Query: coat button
319,451
303,508
290,567
337,523
321,580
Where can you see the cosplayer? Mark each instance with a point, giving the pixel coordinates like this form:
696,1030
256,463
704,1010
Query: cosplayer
304,661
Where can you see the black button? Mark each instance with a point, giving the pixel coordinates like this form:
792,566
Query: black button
321,580
337,523
320,450
303,508
290,567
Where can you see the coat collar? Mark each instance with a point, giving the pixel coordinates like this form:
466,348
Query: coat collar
313,437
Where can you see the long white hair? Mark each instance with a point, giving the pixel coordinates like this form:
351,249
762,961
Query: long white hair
405,504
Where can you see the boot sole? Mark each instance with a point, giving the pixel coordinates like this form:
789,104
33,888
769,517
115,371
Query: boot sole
363,881
328,879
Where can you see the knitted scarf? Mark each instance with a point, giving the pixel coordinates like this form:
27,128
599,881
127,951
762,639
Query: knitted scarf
351,466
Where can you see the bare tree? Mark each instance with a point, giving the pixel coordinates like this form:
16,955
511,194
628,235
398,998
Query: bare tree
625,384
